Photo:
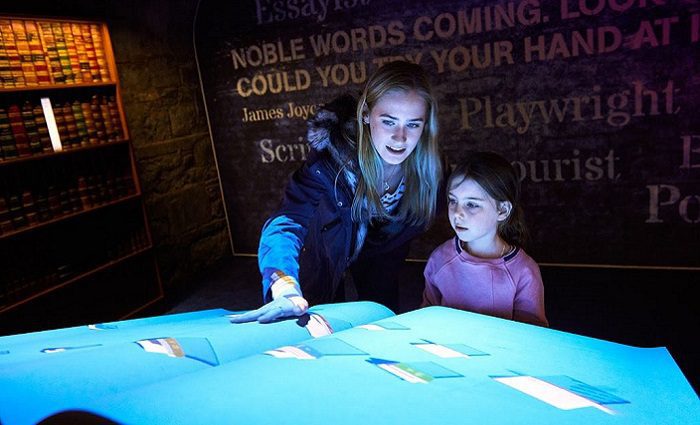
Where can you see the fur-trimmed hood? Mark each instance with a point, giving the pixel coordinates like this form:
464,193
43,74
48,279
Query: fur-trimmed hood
333,130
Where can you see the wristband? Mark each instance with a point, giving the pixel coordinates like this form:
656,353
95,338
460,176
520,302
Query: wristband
283,284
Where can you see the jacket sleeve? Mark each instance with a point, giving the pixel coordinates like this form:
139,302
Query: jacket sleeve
283,234
528,305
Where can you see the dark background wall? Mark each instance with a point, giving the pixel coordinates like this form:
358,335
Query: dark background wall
593,101
165,112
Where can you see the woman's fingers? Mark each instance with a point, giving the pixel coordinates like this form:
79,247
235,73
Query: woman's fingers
279,308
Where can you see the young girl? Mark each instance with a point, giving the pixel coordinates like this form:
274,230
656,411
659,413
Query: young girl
484,269
368,188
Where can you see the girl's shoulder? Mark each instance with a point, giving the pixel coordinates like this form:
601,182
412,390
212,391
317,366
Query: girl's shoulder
518,253
445,251
521,260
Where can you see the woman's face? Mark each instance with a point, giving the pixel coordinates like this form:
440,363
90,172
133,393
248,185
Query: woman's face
396,123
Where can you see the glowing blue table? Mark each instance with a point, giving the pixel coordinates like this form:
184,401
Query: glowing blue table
434,365
43,373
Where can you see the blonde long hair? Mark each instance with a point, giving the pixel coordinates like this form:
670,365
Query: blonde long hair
422,169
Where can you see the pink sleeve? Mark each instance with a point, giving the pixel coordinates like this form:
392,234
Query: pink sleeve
431,294
528,306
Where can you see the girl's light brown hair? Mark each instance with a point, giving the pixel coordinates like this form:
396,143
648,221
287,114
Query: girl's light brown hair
498,178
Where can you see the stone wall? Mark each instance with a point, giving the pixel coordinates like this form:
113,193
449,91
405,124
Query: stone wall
152,43
166,117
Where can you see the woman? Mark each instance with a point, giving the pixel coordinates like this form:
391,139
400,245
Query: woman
368,188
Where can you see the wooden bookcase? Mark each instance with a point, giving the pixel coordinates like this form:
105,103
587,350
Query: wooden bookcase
75,245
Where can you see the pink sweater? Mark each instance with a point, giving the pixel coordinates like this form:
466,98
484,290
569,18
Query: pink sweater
509,287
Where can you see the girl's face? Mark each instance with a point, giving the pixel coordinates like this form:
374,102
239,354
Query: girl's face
474,214
396,123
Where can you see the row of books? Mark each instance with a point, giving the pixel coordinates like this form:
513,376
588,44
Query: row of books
88,123
36,53
24,131
61,263
31,207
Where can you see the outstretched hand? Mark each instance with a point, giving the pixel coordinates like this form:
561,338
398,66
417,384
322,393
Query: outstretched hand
276,309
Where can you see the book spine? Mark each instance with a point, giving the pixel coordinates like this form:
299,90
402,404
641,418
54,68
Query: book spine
29,209
42,206
63,197
83,193
73,139
96,35
89,123
80,47
100,131
18,130
8,149
25,54
60,119
91,53
30,127
16,214
42,129
54,201
92,190
5,218
49,43
62,50
115,118
6,78
36,49
80,123
74,197
110,132
8,36
72,52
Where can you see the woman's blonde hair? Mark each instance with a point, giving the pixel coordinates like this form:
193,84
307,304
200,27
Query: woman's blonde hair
422,169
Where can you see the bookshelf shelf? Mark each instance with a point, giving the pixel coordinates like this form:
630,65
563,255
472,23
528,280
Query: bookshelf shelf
136,196
72,215
49,155
83,275
55,87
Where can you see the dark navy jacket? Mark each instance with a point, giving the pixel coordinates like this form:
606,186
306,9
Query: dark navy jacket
312,238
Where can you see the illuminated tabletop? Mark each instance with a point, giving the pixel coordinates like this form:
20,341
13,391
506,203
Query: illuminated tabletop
434,365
